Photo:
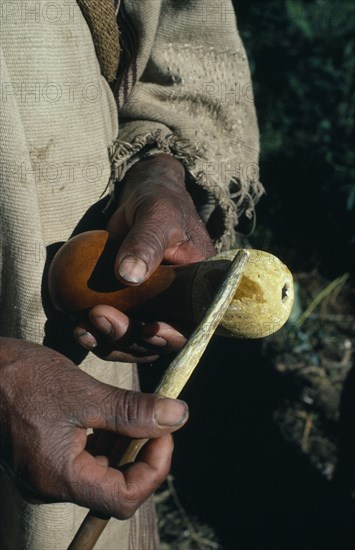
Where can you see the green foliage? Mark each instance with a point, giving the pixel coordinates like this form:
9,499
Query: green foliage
302,56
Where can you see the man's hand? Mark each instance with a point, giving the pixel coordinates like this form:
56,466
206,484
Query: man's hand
46,405
157,222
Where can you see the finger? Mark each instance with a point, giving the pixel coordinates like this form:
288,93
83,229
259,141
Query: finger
190,251
119,493
196,245
156,228
121,333
110,329
90,338
110,322
163,335
130,335
129,413
84,336
106,353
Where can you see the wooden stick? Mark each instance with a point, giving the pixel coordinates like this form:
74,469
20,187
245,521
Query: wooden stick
172,383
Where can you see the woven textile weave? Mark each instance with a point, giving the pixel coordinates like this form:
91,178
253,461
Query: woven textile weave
185,89
101,18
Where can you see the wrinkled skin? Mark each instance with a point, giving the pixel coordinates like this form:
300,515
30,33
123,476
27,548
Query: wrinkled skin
157,222
46,405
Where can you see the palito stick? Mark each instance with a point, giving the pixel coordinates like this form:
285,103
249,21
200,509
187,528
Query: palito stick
172,384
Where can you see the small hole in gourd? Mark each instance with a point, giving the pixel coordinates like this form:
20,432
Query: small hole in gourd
285,293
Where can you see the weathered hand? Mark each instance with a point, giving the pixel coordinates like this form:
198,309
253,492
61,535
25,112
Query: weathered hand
157,221
46,405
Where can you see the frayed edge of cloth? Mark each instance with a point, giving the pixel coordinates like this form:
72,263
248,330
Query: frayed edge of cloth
231,205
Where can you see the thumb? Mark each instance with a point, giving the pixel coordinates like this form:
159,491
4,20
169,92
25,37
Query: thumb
132,414
144,247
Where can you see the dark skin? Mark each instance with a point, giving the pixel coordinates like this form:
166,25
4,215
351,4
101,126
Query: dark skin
47,403
157,222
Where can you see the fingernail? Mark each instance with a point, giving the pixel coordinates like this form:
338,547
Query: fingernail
102,324
156,341
171,412
86,340
133,269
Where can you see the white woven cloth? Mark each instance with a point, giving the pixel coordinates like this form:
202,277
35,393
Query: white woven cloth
186,90
58,117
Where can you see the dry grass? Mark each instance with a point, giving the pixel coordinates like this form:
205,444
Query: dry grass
179,531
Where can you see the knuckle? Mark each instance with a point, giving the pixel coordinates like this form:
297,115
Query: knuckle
128,411
130,500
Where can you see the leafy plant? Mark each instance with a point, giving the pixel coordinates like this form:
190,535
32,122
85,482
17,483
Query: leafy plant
302,57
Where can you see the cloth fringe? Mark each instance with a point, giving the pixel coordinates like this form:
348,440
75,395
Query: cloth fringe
230,207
